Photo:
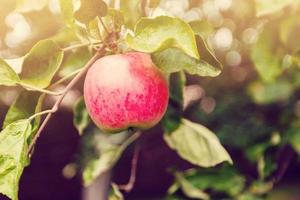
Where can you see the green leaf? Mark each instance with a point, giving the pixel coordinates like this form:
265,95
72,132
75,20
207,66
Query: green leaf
25,105
196,144
101,151
66,36
188,189
30,5
202,27
41,64
173,60
13,156
172,118
75,61
115,193
67,9
264,55
265,7
266,93
132,10
90,9
163,32
289,32
81,117
8,76
225,179
294,138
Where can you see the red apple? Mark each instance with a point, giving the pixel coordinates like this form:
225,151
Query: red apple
125,91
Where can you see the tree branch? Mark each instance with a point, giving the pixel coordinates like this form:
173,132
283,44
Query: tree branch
55,107
128,187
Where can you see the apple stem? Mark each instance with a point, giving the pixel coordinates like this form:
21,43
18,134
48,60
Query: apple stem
70,85
128,187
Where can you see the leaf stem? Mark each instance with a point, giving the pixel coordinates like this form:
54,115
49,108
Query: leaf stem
75,46
128,187
66,77
30,87
40,113
70,85
104,26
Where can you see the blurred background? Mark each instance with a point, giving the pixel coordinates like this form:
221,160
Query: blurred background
253,106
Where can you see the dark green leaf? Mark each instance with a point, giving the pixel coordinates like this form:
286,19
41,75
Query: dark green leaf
173,60
225,179
41,64
13,156
8,76
197,144
152,35
90,9
101,151
188,189
132,10
172,118
81,117
115,193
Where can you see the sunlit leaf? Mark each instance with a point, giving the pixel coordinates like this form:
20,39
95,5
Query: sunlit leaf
264,7
152,35
81,117
173,60
65,37
202,27
30,5
90,9
264,55
13,156
41,64
197,144
25,105
132,10
8,76
75,61
67,9
266,93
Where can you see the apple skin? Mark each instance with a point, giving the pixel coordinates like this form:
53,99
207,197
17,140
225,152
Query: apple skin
125,91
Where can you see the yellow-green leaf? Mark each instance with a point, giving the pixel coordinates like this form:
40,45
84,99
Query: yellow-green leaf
152,35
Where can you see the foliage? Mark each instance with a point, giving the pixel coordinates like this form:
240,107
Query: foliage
257,118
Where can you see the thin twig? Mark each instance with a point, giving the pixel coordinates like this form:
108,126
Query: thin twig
63,79
66,90
128,187
105,28
80,45
40,113
33,88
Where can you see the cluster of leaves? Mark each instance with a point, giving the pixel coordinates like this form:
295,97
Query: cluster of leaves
261,123
176,47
